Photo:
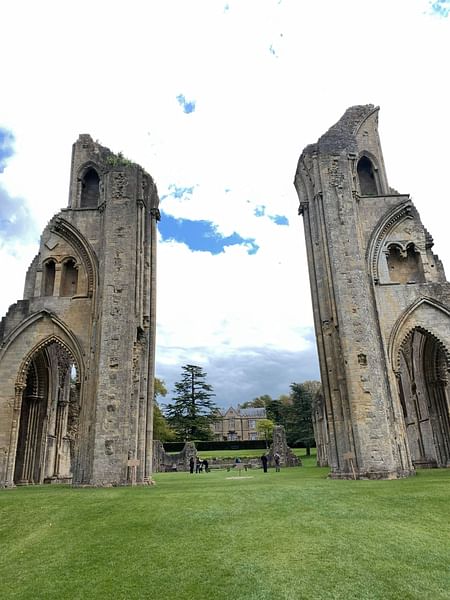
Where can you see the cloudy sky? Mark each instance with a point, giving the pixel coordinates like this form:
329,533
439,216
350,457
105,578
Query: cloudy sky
217,100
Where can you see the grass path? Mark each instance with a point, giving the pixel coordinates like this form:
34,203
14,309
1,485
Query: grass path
292,535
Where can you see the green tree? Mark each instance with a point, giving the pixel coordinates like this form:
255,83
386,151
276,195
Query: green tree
161,430
265,426
299,429
276,411
160,388
259,402
192,410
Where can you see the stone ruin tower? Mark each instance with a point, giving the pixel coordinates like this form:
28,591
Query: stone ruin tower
77,353
381,309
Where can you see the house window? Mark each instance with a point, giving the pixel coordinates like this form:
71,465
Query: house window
252,424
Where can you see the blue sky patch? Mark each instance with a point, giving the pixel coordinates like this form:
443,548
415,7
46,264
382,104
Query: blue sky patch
279,219
260,211
6,147
188,106
15,219
177,192
440,8
201,235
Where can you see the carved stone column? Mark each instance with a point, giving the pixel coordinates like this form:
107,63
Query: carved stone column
60,433
14,435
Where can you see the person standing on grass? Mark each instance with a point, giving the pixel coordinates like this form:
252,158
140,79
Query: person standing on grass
276,458
191,465
264,462
206,465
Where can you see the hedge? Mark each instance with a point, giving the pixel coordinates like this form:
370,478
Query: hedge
203,445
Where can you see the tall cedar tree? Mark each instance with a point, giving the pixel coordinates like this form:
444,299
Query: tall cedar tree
300,428
192,410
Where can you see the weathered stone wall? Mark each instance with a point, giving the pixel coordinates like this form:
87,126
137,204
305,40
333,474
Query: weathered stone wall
162,461
373,279
279,445
91,290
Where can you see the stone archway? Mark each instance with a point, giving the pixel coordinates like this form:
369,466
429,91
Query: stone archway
422,375
49,414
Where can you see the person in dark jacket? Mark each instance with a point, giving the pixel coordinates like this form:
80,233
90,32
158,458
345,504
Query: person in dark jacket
264,462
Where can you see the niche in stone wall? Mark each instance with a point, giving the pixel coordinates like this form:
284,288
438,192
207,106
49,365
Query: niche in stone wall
405,264
90,189
366,177
69,278
48,281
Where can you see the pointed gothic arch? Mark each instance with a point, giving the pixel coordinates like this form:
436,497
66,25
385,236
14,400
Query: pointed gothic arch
421,314
84,249
384,227
423,361
48,398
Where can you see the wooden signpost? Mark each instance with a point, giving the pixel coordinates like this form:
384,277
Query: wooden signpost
350,456
133,463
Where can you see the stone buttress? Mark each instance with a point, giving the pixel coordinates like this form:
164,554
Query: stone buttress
381,309
77,353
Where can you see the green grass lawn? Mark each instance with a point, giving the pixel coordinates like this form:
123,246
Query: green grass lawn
291,535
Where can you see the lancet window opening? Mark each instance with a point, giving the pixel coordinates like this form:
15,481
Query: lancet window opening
367,177
48,283
90,189
69,278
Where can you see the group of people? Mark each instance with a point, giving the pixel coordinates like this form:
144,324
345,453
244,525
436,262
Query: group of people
198,465
265,462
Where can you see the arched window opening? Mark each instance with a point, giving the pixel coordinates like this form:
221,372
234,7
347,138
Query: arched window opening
405,266
69,279
90,189
366,176
49,278
49,418
423,398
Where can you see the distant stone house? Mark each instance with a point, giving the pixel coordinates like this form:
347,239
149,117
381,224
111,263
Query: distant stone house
238,424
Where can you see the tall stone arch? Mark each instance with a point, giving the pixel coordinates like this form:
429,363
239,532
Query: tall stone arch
377,289
49,409
422,364
77,353
31,360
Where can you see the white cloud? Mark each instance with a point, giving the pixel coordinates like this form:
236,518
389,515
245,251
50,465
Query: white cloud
116,73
